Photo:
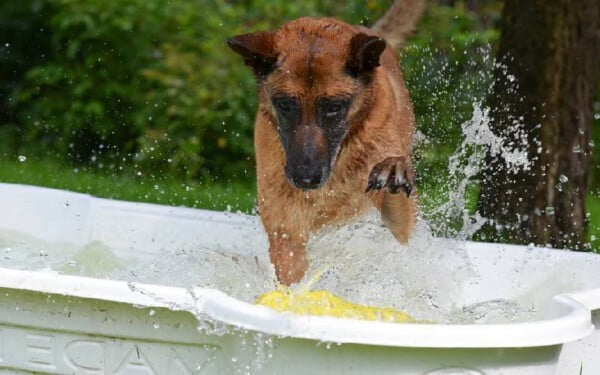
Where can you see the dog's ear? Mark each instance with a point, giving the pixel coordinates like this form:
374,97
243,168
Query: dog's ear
365,51
257,51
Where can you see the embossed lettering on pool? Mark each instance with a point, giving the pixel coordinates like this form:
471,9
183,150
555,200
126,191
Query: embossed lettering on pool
66,353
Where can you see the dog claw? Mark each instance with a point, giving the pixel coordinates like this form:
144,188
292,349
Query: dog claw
394,174
407,188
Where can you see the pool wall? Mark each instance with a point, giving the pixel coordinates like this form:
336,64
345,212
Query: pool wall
52,323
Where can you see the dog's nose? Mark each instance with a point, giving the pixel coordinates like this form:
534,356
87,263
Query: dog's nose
308,179
312,181
306,176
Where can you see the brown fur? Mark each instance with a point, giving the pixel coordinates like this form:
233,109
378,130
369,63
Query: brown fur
312,54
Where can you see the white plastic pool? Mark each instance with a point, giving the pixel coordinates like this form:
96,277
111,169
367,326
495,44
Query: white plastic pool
52,323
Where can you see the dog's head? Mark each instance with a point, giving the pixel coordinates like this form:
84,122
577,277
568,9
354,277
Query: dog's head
314,79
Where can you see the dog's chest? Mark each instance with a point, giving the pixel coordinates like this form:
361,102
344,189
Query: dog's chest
335,203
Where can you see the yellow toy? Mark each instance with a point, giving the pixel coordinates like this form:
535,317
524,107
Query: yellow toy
323,302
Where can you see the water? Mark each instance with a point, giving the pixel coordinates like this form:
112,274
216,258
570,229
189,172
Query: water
362,263
243,276
94,259
465,165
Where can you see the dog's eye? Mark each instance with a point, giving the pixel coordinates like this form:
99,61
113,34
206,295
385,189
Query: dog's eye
334,108
283,104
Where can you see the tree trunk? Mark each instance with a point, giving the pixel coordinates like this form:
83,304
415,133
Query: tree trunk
552,48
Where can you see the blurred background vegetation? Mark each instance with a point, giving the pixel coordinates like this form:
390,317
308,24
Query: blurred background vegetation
142,100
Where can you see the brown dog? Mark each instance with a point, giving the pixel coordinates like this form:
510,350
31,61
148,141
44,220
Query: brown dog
333,131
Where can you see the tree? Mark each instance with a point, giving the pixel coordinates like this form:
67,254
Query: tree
552,48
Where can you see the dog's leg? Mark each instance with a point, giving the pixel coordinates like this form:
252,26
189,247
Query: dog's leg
394,179
398,214
288,255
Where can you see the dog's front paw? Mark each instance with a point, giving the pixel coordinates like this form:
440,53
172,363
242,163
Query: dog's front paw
393,174
290,266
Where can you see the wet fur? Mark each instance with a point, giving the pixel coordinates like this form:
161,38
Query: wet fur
382,126
311,62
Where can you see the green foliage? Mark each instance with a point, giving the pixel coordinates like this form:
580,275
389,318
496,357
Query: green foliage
148,82
152,83
593,209
595,144
448,68
84,101
22,42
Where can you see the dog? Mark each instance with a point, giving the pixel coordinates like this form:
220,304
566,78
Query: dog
333,131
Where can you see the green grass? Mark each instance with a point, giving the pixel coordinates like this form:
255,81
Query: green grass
130,186
593,209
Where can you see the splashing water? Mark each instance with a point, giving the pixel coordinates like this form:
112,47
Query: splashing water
466,164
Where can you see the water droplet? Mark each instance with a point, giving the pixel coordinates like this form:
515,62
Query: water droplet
151,312
156,325
22,158
562,178
6,44
131,285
